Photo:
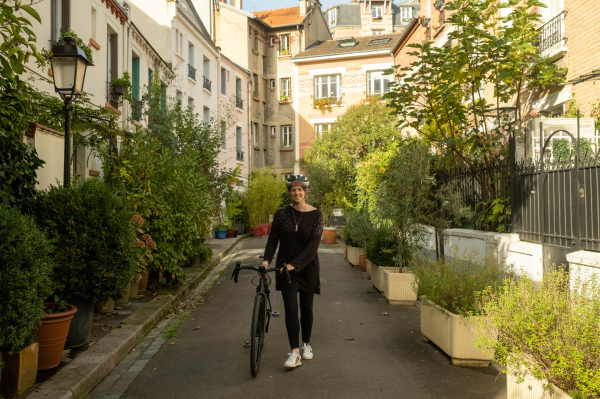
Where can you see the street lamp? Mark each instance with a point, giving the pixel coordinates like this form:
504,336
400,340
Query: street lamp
68,71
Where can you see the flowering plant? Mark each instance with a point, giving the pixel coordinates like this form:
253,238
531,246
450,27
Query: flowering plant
144,242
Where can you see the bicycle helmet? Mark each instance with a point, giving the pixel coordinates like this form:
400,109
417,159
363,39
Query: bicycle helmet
297,180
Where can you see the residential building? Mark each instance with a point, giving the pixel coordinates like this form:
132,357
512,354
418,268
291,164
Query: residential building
234,96
366,17
273,38
344,72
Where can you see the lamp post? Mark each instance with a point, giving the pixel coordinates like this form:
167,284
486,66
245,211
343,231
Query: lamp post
69,64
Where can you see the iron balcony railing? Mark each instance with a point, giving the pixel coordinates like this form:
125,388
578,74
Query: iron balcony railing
191,72
239,103
239,155
207,83
550,34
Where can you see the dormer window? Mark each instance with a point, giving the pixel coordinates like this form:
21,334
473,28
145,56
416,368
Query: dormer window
332,16
377,13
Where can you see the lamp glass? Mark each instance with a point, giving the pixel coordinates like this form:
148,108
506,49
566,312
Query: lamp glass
80,75
63,70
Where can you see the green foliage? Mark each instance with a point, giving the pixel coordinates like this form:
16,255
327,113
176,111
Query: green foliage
454,286
25,269
18,165
87,49
18,39
331,163
492,215
563,149
203,252
264,194
358,229
382,247
405,198
548,330
96,252
233,207
445,102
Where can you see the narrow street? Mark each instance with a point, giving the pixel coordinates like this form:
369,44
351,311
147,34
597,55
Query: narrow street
386,356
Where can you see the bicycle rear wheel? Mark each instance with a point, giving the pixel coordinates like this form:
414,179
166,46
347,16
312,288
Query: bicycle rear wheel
257,333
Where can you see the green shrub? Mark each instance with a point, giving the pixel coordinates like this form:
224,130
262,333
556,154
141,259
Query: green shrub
264,194
454,286
358,229
546,329
96,252
25,268
382,247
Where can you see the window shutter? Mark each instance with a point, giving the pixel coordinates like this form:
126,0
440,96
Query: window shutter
53,21
135,79
66,16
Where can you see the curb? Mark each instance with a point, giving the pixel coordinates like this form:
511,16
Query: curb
81,375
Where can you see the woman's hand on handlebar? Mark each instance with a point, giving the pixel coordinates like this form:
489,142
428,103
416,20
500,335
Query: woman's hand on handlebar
289,267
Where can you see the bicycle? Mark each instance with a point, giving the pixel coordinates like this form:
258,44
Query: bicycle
261,315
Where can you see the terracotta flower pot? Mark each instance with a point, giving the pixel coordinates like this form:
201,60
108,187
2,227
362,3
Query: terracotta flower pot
329,235
257,231
362,263
265,228
143,284
133,288
52,335
20,371
230,233
125,298
105,307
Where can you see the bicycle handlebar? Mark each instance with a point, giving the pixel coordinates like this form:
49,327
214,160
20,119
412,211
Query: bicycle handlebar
260,269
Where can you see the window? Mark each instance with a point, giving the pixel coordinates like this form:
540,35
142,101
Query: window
375,42
61,18
273,131
238,138
328,86
255,40
406,14
239,103
191,54
206,71
176,41
206,115
322,128
224,81
284,45
180,44
286,176
272,84
112,53
135,88
264,66
255,85
223,135
377,13
179,98
255,134
377,84
332,14
285,89
272,40
264,113
191,103
377,32
286,137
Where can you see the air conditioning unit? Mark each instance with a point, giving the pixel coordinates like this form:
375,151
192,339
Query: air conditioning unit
539,130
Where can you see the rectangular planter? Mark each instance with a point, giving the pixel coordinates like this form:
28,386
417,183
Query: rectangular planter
531,388
377,277
398,287
353,254
452,335
20,371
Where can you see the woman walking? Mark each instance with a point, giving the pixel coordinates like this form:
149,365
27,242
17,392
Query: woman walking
297,229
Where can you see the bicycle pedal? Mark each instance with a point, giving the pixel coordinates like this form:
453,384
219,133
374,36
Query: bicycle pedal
246,344
275,313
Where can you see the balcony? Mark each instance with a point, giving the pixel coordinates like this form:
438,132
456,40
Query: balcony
191,72
239,103
551,36
207,84
239,155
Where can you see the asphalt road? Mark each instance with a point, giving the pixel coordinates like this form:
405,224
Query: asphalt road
387,358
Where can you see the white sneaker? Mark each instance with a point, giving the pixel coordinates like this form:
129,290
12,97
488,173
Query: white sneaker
294,360
307,353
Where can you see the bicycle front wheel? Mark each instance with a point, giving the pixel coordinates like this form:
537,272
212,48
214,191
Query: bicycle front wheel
257,333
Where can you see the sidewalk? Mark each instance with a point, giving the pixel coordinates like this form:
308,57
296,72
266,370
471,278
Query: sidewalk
86,370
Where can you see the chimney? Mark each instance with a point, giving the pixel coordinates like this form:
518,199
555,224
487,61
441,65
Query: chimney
304,4
237,3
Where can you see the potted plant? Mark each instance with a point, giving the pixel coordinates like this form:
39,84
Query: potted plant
121,85
449,303
381,249
25,267
146,245
95,252
284,98
233,203
263,195
356,232
323,104
221,231
52,334
545,334
284,51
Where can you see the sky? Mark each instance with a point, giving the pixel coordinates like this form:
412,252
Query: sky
269,4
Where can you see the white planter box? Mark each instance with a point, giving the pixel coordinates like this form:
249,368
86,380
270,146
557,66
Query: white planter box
377,277
531,388
398,287
353,254
452,335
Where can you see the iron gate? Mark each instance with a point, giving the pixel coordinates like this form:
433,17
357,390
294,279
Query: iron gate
556,202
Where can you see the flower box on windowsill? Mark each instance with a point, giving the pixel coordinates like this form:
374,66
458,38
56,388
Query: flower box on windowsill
325,104
284,53
287,148
284,99
377,19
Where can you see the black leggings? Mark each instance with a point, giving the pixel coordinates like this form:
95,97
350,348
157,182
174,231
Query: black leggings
290,302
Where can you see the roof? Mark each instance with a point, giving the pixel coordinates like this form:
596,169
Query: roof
329,47
189,11
281,16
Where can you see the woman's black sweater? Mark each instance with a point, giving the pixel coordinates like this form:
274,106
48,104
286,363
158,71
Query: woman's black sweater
298,248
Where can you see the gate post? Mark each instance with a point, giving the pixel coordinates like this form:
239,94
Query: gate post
515,204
